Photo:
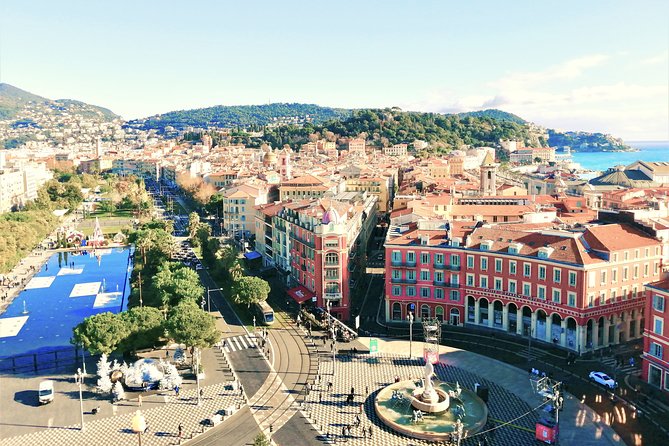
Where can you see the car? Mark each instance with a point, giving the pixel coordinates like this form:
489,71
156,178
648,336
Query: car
45,392
603,379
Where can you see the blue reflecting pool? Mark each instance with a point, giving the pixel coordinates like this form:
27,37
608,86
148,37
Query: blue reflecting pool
68,288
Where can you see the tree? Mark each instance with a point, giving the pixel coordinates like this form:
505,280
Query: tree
250,290
261,440
101,333
104,370
188,324
145,326
193,224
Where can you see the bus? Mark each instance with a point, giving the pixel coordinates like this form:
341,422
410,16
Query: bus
265,312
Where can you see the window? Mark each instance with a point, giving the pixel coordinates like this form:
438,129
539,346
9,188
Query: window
571,299
656,268
557,275
470,261
411,257
626,256
572,278
498,284
645,269
625,271
591,279
333,273
527,269
455,279
424,274
396,256
557,298
424,292
424,258
483,282
636,272
541,292
602,280
498,265
397,291
455,295
397,274
591,300
484,263
438,276
411,291
613,295
512,287
527,289
542,272
455,260
470,279
331,258
658,325
614,275
439,259
411,274
658,302
656,350
636,253
438,293
512,267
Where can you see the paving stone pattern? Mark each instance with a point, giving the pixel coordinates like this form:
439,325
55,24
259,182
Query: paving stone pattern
330,412
162,413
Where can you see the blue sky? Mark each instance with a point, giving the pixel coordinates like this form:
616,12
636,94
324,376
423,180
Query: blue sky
586,65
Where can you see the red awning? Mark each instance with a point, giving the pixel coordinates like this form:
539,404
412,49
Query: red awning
300,294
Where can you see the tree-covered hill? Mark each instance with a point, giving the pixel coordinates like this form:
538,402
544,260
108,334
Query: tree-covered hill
586,142
13,99
245,116
500,115
384,127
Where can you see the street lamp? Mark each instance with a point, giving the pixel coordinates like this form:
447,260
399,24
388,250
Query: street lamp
209,297
83,358
197,373
254,324
138,425
79,379
410,317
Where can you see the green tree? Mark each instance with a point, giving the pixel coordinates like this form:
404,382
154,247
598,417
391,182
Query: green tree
261,440
193,224
250,290
188,324
145,326
101,333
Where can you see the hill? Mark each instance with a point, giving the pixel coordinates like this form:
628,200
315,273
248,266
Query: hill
495,114
587,142
13,99
244,116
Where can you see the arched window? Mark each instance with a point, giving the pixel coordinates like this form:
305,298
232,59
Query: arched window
332,258
424,311
397,311
439,313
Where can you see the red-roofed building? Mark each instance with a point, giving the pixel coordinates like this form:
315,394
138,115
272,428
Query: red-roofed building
655,367
581,291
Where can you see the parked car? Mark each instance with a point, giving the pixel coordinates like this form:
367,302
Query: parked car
45,392
603,379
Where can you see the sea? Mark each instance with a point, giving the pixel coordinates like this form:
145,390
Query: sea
648,151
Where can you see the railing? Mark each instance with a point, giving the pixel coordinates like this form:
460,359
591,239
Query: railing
403,264
332,296
408,281
446,284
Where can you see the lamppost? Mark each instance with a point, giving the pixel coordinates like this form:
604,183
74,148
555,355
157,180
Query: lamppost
410,317
254,324
79,379
197,373
138,425
83,358
209,297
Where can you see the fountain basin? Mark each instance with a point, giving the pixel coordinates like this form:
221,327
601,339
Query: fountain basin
440,403
395,405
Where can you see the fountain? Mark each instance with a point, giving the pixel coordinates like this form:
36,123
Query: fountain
425,411
25,310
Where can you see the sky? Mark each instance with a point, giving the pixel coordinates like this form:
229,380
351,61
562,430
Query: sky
573,65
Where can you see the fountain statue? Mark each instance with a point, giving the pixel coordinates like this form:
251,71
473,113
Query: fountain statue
429,399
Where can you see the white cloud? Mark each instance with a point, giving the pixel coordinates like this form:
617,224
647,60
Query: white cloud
658,59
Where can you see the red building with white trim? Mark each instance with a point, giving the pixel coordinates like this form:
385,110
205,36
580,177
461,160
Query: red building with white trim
579,290
655,367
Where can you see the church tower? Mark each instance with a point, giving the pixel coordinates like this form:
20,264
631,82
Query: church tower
489,176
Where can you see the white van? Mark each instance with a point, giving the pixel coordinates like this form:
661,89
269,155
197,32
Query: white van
45,392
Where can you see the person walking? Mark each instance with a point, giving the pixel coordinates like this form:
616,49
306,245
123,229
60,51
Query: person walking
369,431
139,401
181,430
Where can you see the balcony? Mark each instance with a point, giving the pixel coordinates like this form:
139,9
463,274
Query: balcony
407,281
303,241
446,284
331,296
403,264
439,266
453,267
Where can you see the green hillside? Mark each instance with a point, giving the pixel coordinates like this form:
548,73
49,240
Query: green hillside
244,116
495,114
13,99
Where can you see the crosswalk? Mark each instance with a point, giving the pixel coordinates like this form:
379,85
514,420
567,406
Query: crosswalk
625,369
236,343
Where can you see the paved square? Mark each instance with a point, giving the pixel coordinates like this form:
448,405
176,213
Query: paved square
85,289
11,326
40,282
104,300
70,271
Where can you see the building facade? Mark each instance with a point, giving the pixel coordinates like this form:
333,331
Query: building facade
655,367
581,291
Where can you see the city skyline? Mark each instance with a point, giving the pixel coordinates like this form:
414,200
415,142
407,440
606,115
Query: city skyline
577,68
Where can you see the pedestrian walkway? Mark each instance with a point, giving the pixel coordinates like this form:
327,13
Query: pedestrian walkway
236,343
626,369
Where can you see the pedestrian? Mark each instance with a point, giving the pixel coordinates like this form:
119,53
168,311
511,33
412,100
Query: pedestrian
201,393
370,431
320,397
362,405
343,431
357,420
176,391
329,386
366,390
139,400
181,430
